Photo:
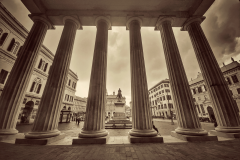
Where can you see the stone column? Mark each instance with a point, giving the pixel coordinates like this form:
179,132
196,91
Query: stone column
141,114
188,122
94,124
225,109
47,118
18,80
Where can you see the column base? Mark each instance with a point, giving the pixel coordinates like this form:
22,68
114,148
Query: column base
142,133
8,131
191,138
191,132
11,136
228,129
224,134
39,135
99,140
43,141
93,134
156,139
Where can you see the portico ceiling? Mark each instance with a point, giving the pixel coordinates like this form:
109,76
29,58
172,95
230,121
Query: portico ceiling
118,11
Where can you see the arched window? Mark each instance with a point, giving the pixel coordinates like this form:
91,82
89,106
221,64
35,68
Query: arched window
11,45
3,38
16,46
45,68
69,108
64,108
36,86
40,64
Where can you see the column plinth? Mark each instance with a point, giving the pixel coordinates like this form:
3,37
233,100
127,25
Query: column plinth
47,118
94,124
188,122
141,114
19,78
224,107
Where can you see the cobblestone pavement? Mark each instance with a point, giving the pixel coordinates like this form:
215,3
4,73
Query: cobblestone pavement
72,129
186,151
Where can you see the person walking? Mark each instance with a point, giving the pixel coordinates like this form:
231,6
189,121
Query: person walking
78,120
155,128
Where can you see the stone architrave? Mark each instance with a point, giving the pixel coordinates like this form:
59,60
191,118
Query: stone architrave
20,75
225,109
141,117
188,122
94,124
47,118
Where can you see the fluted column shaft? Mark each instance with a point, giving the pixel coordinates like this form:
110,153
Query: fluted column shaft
47,118
94,124
188,122
19,78
142,119
224,107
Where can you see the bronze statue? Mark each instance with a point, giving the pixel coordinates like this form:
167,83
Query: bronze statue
119,95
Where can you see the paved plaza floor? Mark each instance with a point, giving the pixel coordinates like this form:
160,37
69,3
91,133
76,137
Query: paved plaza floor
118,146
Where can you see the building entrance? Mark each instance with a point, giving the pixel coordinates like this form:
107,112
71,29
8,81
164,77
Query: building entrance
211,114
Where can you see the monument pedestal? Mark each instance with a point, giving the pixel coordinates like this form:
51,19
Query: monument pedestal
99,140
156,139
43,141
194,138
119,118
226,135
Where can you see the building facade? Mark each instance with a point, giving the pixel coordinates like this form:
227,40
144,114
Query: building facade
160,98
79,105
12,37
204,107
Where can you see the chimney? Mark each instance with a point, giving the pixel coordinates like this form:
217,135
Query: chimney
114,93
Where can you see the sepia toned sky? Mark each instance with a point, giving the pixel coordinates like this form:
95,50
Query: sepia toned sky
221,27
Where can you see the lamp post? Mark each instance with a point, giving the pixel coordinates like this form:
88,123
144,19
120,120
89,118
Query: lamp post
172,123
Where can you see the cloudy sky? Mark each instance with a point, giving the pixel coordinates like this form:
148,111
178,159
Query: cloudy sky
221,28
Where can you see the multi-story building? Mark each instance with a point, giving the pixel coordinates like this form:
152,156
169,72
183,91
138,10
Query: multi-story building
12,37
204,107
79,105
160,98
111,107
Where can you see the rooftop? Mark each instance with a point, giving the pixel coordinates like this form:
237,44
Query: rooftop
162,81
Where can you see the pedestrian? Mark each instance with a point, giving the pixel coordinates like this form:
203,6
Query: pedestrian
155,128
214,121
78,120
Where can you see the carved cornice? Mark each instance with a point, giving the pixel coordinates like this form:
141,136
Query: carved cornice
42,73
33,96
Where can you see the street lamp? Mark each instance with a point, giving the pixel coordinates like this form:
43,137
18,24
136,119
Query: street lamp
171,113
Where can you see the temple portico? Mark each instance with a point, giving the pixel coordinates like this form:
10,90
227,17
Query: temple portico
74,15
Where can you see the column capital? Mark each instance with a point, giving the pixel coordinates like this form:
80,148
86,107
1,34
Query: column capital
104,19
190,20
132,19
75,20
162,19
43,19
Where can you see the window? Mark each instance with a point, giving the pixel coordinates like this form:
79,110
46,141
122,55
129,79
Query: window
238,90
45,68
162,91
170,105
166,85
24,100
163,98
194,91
155,102
40,64
15,47
162,106
36,86
161,86
169,97
3,38
160,98
69,82
167,90
11,45
199,90
158,106
235,79
228,81
3,76
165,106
